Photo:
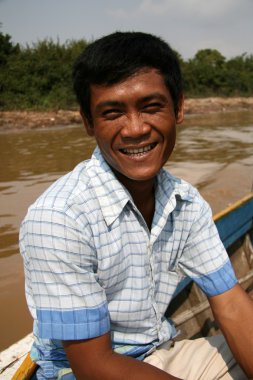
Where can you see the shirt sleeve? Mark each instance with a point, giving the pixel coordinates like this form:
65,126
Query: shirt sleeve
63,293
204,258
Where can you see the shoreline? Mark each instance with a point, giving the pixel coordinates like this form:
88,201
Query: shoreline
26,120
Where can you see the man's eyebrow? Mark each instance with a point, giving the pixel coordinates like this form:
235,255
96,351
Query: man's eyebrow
108,103
153,96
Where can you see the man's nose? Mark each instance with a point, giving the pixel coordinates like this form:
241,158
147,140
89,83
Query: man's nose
135,127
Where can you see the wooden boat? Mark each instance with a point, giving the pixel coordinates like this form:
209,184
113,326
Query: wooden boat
190,309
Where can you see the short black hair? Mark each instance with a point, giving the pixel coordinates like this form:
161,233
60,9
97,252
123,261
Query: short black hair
117,56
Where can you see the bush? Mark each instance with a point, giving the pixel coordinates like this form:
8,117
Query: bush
39,76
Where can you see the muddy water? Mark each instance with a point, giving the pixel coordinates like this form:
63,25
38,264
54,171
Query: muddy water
214,152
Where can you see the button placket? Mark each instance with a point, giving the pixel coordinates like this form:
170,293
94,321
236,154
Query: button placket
152,282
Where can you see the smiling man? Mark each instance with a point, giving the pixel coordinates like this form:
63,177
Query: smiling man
105,247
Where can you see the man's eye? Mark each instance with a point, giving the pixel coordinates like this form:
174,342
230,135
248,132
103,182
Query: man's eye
152,107
111,113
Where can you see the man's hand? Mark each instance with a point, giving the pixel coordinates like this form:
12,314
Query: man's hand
94,359
234,312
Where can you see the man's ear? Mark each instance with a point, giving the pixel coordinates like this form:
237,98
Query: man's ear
87,124
180,113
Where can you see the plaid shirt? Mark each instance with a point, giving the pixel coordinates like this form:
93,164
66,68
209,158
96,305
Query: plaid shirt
93,266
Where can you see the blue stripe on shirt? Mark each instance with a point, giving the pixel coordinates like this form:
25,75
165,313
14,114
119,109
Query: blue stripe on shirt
217,282
73,324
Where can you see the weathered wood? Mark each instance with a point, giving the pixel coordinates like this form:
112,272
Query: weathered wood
26,369
12,357
232,224
235,221
195,310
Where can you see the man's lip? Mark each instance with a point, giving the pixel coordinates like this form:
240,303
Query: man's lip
138,149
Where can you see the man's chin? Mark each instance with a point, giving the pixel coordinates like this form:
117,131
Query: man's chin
134,177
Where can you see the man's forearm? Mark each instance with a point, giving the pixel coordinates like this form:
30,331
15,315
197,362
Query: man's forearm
241,344
235,318
125,368
112,366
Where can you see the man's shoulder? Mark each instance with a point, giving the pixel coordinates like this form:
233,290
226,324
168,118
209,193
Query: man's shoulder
66,189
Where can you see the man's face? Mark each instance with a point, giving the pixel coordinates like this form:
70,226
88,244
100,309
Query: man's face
134,124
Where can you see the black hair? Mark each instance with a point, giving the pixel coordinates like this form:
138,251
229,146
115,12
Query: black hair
117,56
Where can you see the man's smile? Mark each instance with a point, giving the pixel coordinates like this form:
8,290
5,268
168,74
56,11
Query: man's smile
138,151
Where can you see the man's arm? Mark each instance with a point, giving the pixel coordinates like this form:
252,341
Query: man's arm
234,312
94,359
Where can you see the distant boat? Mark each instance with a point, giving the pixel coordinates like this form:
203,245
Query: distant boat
189,309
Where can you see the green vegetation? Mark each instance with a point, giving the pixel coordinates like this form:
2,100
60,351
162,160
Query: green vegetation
39,76
210,74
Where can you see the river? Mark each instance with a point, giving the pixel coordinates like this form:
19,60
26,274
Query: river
213,152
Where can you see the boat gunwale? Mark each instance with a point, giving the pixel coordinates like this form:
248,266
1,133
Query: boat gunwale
232,207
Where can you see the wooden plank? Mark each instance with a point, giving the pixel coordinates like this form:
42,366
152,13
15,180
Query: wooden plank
233,207
26,370
195,310
13,356
232,223
236,223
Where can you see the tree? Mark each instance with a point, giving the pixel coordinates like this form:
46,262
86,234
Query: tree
204,73
39,76
7,48
239,75
7,51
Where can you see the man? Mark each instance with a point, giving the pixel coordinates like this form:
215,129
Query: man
106,245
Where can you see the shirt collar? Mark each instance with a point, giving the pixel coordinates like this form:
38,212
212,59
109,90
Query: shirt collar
111,194
169,191
170,187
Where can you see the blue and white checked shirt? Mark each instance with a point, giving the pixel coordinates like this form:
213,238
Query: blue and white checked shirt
92,265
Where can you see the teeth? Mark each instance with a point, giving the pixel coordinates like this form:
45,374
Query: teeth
139,150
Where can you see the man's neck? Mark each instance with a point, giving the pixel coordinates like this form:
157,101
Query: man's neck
143,194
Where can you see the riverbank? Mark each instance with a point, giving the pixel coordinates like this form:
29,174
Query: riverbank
18,120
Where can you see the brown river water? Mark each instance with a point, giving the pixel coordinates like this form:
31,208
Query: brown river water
213,152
